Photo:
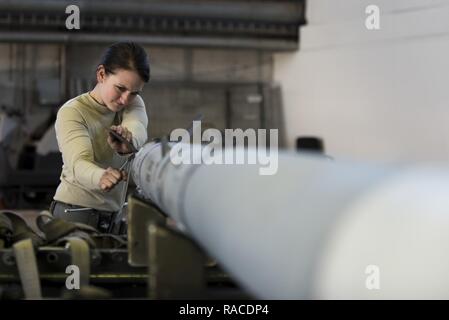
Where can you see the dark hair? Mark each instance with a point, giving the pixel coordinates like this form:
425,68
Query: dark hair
127,56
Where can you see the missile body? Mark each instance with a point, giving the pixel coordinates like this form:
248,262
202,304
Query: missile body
317,229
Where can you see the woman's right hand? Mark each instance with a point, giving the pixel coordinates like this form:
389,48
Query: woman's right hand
111,177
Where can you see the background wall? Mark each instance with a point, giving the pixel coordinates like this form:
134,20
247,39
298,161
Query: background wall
379,95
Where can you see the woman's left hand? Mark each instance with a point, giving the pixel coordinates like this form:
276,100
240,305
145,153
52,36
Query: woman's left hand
117,145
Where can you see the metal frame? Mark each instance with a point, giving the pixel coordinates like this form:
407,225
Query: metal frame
232,24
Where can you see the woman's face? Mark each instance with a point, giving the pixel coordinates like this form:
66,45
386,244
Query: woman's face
118,90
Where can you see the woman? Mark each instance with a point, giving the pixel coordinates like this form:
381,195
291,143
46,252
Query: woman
90,190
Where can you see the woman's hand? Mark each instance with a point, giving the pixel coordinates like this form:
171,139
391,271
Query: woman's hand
111,177
117,145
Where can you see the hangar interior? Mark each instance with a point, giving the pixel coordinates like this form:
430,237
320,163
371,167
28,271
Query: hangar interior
212,61
343,197
213,58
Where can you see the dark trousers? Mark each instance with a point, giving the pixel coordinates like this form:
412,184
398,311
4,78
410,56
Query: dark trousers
101,220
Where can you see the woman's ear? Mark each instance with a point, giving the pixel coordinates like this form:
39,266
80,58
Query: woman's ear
101,74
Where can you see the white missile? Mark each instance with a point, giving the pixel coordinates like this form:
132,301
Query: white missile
317,229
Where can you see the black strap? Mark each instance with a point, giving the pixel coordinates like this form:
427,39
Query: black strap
52,206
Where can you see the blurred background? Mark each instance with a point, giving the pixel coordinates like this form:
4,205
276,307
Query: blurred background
214,58
308,68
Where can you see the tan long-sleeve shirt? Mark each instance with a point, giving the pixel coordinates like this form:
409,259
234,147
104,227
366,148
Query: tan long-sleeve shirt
82,130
